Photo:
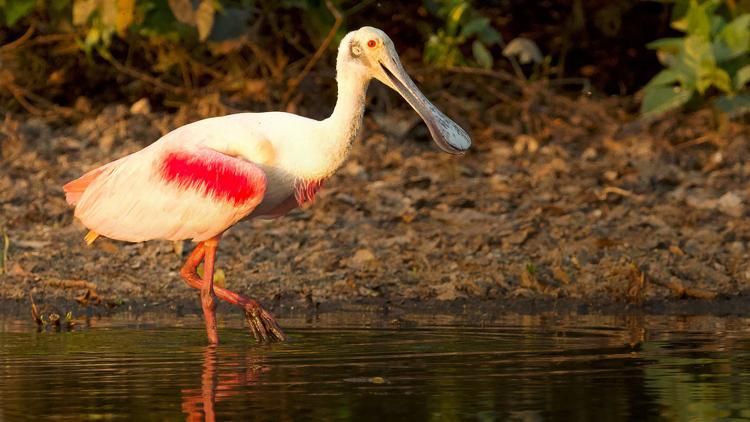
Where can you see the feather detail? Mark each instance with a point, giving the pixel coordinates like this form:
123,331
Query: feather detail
305,190
75,189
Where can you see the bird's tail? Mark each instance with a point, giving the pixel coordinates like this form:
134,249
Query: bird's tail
75,189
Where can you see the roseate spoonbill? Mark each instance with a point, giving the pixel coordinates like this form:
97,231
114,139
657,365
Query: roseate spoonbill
201,178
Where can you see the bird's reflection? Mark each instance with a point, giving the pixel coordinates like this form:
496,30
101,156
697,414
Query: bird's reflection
219,382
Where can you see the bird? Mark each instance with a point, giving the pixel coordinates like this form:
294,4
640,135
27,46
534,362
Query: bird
202,178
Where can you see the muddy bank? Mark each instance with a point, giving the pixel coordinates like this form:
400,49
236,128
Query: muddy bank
561,201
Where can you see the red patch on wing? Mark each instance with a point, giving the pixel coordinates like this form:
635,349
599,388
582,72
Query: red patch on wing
305,190
215,174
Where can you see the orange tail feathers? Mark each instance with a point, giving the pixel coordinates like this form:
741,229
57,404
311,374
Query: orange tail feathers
74,189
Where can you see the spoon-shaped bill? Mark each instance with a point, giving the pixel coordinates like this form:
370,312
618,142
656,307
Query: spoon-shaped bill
448,136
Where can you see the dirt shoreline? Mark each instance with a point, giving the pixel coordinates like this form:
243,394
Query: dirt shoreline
390,314
561,202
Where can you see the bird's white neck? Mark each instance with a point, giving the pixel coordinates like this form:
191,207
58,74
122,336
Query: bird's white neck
320,152
346,118
342,127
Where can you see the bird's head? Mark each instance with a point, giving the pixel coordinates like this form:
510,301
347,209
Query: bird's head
371,51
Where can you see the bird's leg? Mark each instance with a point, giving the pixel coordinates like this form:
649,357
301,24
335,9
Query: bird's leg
261,322
208,297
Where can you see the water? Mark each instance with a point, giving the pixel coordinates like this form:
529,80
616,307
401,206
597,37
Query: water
515,368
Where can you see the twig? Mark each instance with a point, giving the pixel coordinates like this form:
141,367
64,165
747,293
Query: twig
618,191
51,38
139,75
6,246
697,141
15,92
584,82
678,288
13,44
358,7
265,58
499,95
21,94
35,314
71,284
294,83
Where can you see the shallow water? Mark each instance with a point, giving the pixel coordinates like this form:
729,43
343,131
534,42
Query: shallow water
514,368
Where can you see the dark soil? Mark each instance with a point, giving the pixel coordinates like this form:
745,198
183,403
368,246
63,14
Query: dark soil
562,201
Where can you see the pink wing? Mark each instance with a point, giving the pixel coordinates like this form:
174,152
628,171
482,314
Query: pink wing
169,194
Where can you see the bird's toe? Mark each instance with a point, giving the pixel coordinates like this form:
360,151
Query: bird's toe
264,327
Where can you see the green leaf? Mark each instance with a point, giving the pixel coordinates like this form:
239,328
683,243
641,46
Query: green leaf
698,19
158,20
698,55
489,36
719,78
665,77
659,99
220,278
735,105
454,17
717,24
670,45
742,77
734,39
474,26
679,10
482,55
440,52
16,9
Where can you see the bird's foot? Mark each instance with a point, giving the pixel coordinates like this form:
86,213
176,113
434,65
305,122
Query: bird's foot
264,327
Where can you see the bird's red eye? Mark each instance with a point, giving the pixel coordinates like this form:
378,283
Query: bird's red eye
372,43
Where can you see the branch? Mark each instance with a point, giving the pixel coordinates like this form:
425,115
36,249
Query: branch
13,44
138,74
294,83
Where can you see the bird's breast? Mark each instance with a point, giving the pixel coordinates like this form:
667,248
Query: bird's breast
284,192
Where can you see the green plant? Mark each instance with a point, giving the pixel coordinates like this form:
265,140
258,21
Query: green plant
712,59
463,24
13,10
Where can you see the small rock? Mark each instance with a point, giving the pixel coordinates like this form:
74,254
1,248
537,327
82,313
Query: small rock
701,203
610,175
589,154
731,204
363,259
82,105
448,291
106,141
141,106
525,143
